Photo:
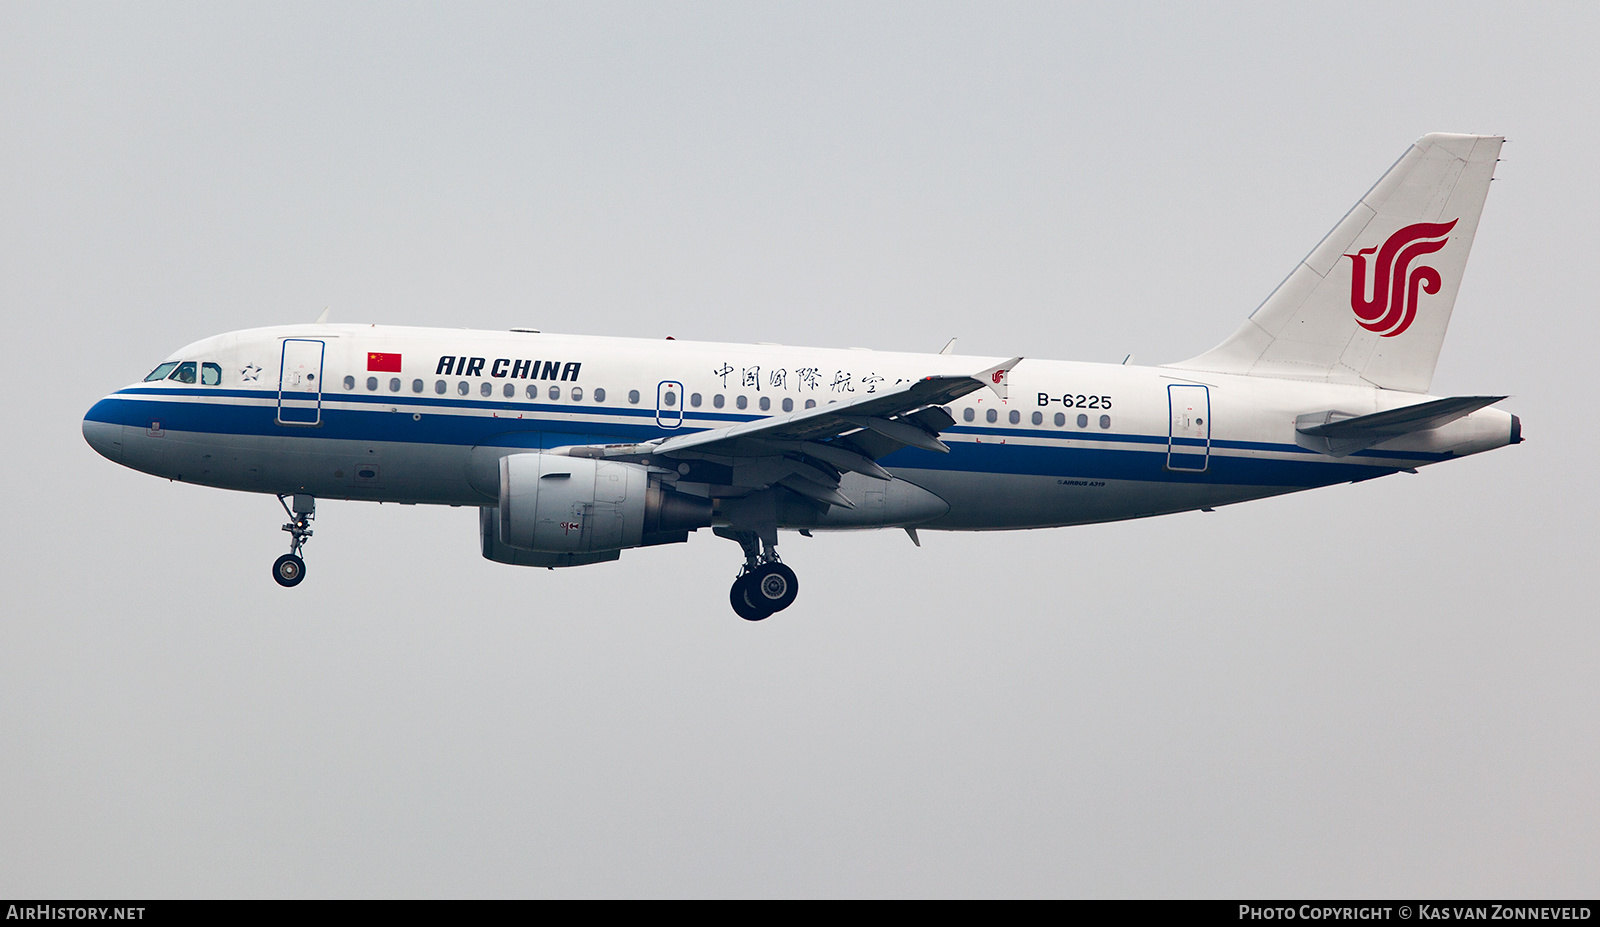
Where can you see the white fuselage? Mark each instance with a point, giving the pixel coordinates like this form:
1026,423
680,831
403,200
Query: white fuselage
422,415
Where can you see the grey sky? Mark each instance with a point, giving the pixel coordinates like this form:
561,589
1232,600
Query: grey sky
1384,689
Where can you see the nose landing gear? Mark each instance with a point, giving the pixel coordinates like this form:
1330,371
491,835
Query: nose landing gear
290,569
765,586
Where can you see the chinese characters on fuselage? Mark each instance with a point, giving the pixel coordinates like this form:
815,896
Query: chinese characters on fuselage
805,378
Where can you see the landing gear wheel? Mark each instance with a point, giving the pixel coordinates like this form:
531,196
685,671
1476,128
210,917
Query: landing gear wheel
288,570
765,586
744,599
775,587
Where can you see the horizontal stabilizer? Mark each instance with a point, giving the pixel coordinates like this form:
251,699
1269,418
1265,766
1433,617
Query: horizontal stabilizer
1340,434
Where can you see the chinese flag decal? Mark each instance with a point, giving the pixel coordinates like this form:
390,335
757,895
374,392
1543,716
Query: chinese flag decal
384,363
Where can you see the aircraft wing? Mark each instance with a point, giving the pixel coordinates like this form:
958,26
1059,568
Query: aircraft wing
808,451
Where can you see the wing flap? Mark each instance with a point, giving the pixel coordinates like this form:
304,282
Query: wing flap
904,432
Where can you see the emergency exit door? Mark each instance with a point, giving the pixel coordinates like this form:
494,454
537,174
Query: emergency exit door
669,404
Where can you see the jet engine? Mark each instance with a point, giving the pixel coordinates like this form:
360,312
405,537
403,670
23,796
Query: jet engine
565,511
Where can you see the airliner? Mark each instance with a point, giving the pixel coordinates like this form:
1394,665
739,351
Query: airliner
576,448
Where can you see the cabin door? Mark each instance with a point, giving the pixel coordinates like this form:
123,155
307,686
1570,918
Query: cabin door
300,382
1189,440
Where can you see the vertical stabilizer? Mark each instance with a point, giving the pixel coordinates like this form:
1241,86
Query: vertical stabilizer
1370,304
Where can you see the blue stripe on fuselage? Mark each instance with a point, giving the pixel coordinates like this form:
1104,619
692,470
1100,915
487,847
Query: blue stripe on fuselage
989,453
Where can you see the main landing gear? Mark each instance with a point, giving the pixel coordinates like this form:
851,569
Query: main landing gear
290,569
765,586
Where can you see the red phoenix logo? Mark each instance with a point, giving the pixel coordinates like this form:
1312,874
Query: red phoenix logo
999,375
1394,281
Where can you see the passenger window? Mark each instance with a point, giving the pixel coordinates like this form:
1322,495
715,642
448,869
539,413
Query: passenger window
599,394
533,391
349,382
510,391
694,400
372,384
1105,421
160,373
1016,417
766,404
717,400
394,384
439,387
742,402
486,389
555,392
669,399
1061,419
788,405
1038,418
992,415
416,386
184,373
811,403
210,374
633,397
462,388
967,414
577,394
1083,421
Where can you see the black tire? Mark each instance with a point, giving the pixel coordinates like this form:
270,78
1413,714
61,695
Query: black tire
288,570
775,587
742,598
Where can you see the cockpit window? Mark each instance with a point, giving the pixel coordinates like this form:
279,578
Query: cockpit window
210,374
160,373
184,373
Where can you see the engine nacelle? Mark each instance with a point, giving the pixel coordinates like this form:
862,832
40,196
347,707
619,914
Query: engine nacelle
578,505
489,536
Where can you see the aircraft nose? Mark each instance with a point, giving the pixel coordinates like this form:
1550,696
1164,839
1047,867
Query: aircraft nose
103,434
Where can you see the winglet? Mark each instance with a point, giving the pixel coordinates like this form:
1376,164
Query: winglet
324,316
998,378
